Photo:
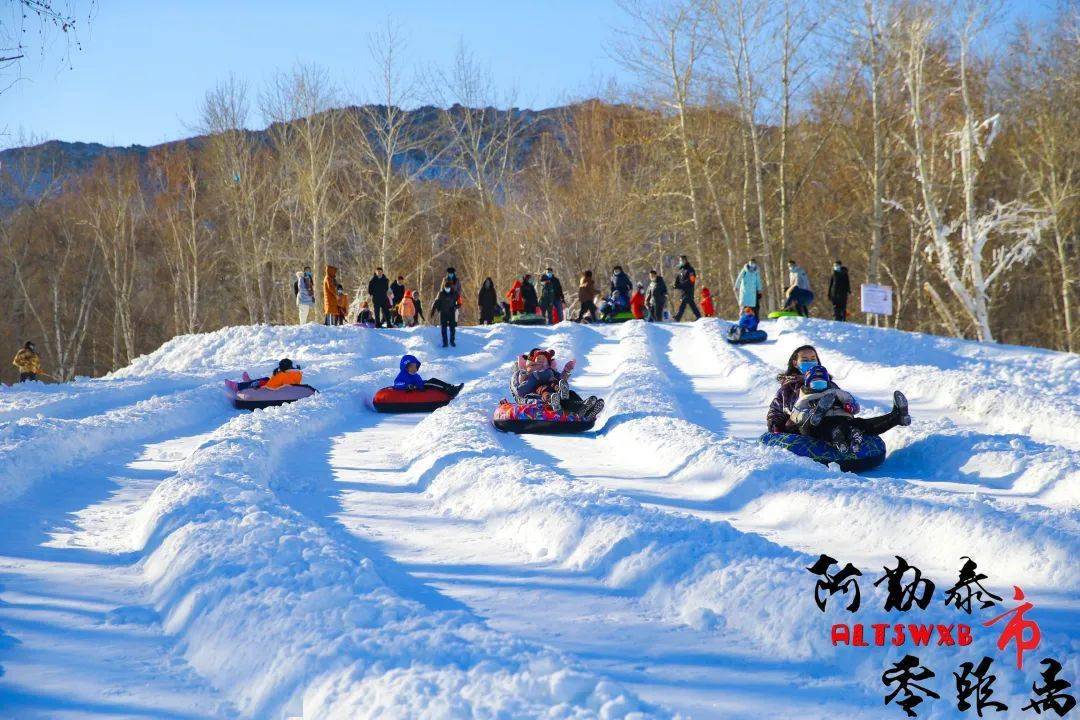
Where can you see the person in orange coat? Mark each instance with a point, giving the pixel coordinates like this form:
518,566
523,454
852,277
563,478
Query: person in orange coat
637,302
706,303
517,302
286,373
330,298
342,305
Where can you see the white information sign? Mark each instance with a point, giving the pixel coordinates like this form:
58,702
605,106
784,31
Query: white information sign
876,299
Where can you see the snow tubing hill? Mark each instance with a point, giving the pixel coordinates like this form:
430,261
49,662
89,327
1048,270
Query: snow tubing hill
531,418
782,313
391,400
255,398
754,336
870,455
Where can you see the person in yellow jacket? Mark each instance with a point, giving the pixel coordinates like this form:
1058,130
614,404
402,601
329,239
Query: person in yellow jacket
28,362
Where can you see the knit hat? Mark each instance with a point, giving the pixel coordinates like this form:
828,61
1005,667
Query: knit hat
816,373
537,352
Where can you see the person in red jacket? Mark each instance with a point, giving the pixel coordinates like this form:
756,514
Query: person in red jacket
637,302
706,303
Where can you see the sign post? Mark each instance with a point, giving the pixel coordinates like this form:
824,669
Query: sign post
876,299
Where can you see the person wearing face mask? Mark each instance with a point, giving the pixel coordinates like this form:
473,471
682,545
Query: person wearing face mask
748,287
809,402
839,289
551,297
446,304
28,362
304,290
798,293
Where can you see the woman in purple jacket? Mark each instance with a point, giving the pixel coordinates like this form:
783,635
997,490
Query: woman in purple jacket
803,360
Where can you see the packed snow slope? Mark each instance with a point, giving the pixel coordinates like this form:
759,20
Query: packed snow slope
165,556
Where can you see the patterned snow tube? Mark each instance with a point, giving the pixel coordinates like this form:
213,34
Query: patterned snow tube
751,336
870,455
533,418
391,400
256,398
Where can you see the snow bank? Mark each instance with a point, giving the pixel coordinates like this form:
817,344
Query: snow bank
280,614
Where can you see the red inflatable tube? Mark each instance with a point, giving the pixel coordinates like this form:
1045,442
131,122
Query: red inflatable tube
391,400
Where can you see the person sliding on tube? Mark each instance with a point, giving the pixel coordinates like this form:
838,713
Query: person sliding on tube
409,381
748,322
537,379
810,403
286,373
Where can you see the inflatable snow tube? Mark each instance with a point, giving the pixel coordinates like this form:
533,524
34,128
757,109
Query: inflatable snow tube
870,455
527,319
782,314
620,317
391,400
531,418
255,398
750,336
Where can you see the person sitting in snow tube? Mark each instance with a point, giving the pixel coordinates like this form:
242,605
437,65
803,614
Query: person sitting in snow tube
412,393
746,331
284,385
544,402
812,416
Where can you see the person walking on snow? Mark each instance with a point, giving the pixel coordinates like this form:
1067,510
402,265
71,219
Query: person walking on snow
488,301
748,286
798,291
551,297
330,302
656,296
684,283
586,294
304,290
379,291
445,305
28,362
839,289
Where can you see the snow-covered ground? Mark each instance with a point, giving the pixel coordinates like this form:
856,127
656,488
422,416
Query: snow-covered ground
163,555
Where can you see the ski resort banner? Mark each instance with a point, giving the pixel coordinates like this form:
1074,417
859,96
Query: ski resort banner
876,299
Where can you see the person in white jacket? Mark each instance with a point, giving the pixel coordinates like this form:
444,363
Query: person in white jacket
304,288
798,290
748,287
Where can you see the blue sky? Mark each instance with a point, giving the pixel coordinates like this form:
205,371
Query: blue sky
145,66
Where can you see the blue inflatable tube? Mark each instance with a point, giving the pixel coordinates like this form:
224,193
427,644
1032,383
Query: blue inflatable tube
870,455
748,336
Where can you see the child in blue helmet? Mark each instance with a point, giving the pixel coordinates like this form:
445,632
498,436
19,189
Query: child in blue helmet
825,411
409,379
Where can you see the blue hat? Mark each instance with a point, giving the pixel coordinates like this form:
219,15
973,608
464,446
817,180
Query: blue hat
816,373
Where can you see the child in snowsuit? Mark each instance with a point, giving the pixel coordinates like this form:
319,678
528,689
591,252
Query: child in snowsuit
408,379
826,412
537,379
286,373
748,322
365,315
707,308
637,302
342,305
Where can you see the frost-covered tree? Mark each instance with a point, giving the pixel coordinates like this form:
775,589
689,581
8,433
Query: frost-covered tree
974,244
